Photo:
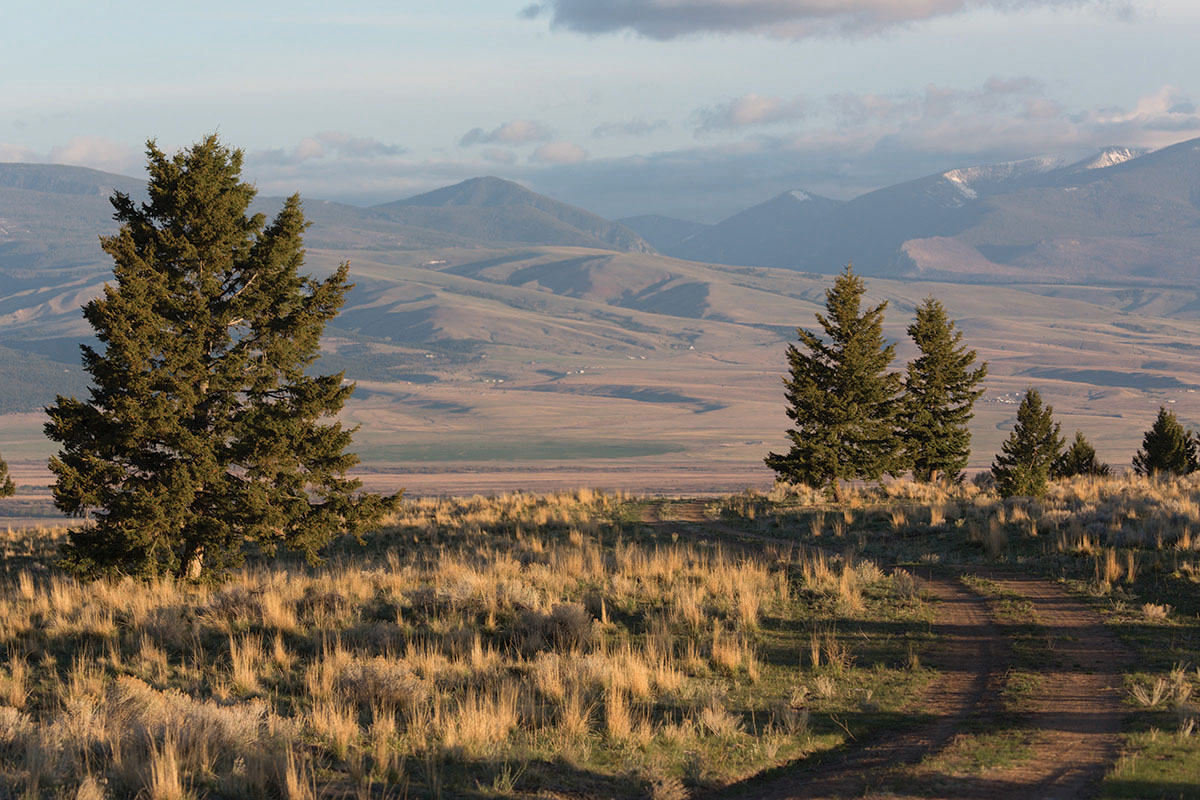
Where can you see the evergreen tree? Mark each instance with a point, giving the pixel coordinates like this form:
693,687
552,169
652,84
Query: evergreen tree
203,432
1080,459
840,395
940,390
1026,461
1166,448
7,487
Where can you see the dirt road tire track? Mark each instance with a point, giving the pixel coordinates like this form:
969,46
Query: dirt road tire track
970,661
1076,713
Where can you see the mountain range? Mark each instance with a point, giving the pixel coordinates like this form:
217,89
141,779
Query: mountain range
489,322
1120,215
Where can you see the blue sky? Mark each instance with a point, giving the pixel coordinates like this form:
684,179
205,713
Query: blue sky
695,108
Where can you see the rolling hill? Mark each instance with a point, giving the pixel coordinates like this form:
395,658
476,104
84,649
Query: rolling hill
493,210
471,352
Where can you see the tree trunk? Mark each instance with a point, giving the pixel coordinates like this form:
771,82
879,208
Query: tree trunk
194,564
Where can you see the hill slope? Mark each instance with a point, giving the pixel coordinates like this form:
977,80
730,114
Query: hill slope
493,210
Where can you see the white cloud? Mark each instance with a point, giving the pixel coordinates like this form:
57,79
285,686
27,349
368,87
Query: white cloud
558,153
15,152
786,19
517,131
746,111
1010,115
846,144
97,152
329,144
638,126
497,155
1158,118
851,144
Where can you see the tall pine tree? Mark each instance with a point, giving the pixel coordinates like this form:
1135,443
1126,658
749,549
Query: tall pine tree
7,487
841,396
1027,458
203,431
1167,448
940,390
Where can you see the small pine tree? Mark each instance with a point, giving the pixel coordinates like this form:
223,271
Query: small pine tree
840,395
1026,461
1080,459
1167,448
7,487
940,390
204,432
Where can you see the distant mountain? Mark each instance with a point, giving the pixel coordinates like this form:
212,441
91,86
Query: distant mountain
769,231
1118,215
50,216
662,233
58,179
492,210
469,351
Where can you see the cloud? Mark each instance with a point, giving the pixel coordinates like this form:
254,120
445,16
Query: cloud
851,144
97,152
995,95
357,146
518,131
1157,119
1003,115
15,152
331,145
748,110
845,145
785,19
558,153
497,155
638,126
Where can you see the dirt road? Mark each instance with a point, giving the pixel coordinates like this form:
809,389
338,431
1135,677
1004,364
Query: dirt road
1071,723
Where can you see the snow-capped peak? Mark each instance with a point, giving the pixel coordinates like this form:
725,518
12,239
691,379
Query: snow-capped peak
969,180
1111,156
800,196
960,180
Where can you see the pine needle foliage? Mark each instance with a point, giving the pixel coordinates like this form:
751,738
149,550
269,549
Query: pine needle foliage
203,432
1167,449
1027,458
940,390
7,487
840,395
1080,459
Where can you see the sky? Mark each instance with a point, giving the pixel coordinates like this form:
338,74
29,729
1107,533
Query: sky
690,108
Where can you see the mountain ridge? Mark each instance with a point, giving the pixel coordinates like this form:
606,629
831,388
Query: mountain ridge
1117,215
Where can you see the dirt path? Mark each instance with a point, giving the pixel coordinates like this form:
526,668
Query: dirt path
1076,714
1073,720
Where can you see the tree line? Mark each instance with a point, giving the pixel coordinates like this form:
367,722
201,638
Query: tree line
203,436
856,419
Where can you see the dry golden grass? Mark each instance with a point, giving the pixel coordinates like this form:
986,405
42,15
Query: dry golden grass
468,630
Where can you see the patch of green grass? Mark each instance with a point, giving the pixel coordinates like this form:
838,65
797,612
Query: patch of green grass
1159,765
976,752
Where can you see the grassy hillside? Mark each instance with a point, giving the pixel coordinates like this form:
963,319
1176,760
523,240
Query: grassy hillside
914,639
577,356
515,345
